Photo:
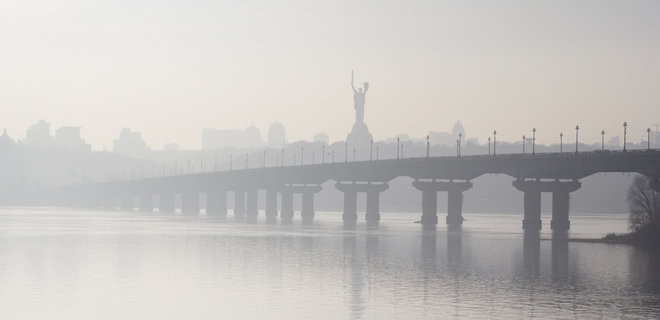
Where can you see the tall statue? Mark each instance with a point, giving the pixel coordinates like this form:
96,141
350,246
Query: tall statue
359,97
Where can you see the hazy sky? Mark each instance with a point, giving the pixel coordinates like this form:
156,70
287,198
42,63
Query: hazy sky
169,68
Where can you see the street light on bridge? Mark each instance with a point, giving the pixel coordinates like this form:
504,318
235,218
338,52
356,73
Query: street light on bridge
533,140
494,143
602,140
523,143
489,146
377,149
577,129
625,131
397,148
323,153
302,156
346,151
648,139
561,142
428,146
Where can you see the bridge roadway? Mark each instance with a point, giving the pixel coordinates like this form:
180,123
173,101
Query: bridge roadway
558,173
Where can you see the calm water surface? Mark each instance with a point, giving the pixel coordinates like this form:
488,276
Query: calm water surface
73,264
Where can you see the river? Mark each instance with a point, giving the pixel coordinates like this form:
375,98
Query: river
78,264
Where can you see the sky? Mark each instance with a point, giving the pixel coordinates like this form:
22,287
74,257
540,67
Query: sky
170,68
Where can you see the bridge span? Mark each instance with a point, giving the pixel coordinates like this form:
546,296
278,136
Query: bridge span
556,173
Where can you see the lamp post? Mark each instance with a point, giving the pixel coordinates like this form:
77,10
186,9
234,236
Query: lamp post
648,139
577,129
561,142
302,156
246,160
460,141
377,149
353,154
230,162
494,143
282,157
625,131
458,147
428,146
323,153
346,151
523,144
488,145
602,140
533,140
333,156
397,148
176,168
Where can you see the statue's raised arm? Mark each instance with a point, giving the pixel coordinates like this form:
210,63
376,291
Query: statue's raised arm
353,83
366,87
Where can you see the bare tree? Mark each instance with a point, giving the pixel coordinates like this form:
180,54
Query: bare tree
644,204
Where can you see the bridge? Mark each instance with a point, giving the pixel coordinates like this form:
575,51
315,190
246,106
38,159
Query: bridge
556,173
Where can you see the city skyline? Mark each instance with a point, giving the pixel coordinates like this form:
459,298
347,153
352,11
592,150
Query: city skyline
510,67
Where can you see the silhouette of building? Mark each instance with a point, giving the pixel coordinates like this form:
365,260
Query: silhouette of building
213,139
69,138
448,138
5,141
171,147
129,142
322,137
38,135
276,134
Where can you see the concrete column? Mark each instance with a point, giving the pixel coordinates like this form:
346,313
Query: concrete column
190,203
239,204
216,203
287,207
560,204
350,207
429,207
532,210
252,205
146,203
454,208
307,210
166,203
373,207
531,203
271,206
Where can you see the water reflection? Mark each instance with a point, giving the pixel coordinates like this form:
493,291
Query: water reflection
531,253
353,270
560,270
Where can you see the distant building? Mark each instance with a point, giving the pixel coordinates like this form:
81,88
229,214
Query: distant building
322,137
38,135
276,134
69,138
5,141
130,143
171,147
213,139
448,138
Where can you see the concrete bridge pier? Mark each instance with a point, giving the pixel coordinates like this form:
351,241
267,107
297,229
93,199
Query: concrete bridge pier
216,203
287,207
560,202
531,203
430,189
166,203
307,209
190,203
350,203
239,204
252,205
373,203
271,206
146,203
